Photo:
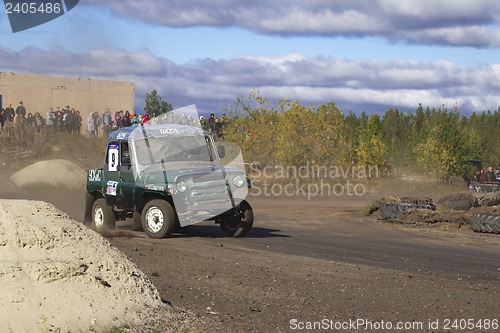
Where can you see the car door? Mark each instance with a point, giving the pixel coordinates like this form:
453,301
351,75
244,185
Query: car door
126,179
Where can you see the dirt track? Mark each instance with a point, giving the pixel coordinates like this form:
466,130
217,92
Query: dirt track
313,261
323,260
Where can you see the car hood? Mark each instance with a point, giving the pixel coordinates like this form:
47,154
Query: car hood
156,174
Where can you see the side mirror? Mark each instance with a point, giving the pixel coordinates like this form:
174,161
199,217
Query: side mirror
221,151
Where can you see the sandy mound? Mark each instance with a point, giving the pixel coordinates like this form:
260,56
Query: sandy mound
56,275
53,173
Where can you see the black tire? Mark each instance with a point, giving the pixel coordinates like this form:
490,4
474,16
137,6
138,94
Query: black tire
239,223
484,188
485,223
487,199
393,210
158,218
103,216
459,204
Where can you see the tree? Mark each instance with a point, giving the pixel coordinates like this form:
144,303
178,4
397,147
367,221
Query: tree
332,143
396,134
353,130
155,105
447,146
372,152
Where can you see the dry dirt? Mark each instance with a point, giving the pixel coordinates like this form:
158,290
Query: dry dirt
57,275
320,260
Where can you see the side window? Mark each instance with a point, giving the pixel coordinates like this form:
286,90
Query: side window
125,154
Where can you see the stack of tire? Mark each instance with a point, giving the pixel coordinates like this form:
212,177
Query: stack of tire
485,222
393,210
484,188
458,201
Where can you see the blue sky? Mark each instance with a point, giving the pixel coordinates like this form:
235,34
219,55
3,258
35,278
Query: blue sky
362,55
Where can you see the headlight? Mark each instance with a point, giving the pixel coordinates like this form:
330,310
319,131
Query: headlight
238,181
182,186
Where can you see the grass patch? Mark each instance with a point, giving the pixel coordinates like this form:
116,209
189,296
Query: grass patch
84,151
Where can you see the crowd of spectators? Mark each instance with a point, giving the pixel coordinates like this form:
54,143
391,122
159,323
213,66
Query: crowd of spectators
98,124
488,176
65,120
19,117
214,125
69,120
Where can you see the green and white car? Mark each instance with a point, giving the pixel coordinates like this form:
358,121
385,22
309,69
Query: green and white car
165,177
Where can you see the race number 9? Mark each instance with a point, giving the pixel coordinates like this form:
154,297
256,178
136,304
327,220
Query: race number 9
113,157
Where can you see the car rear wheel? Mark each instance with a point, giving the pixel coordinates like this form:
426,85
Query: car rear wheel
103,216
158,218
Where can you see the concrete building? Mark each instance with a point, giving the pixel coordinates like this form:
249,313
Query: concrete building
40,92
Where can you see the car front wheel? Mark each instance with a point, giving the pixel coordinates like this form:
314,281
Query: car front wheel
239,223
158,218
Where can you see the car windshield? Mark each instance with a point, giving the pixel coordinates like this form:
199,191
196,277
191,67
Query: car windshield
176,148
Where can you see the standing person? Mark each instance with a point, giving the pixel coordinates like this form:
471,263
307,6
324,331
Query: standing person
78,121
98,124
8,125
211,125
145,119
490,175
203,123
72,121
50,118
91,125
135,120
10,113
30,120
2,119
106,122
118,121
126,120
481,176
21,110
113,119
222,125
497,174
39,122
58,120
65,119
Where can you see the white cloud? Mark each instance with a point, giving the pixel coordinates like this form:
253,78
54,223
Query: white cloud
428,22
211,84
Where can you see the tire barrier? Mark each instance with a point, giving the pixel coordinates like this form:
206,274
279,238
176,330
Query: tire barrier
485,223
393,210
484,188
459,204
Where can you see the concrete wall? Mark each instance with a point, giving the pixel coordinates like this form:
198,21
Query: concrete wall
40,92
